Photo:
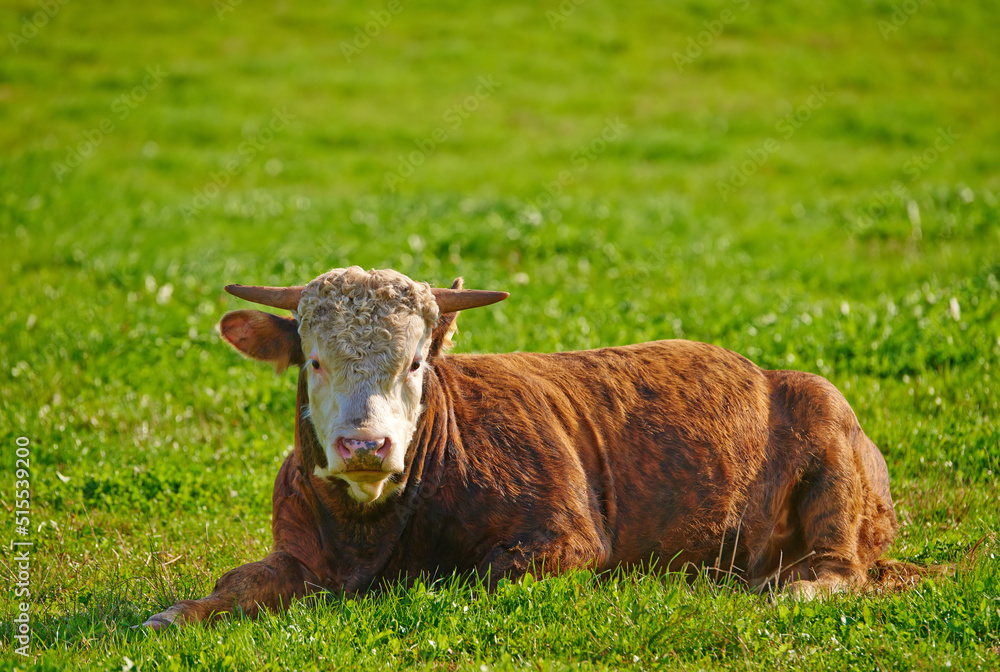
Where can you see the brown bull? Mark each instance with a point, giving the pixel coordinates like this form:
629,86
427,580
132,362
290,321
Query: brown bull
668,455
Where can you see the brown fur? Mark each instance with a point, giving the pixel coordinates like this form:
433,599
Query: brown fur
669,455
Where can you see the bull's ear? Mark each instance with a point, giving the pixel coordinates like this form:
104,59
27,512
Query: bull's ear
445,328
263,336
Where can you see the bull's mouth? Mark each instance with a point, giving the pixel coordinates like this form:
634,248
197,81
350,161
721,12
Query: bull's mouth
366,475
368,485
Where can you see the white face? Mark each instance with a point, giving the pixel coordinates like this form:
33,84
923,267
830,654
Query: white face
364,398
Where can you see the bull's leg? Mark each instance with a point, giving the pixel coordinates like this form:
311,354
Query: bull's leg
270,583
847,517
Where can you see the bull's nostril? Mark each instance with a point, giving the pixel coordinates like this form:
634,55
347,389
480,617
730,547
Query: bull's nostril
344,451
384,449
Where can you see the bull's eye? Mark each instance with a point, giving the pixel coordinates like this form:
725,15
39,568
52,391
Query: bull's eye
415,365
315,364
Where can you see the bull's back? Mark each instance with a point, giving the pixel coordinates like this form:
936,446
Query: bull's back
666,438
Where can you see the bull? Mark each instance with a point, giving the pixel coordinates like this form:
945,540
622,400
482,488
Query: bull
412,462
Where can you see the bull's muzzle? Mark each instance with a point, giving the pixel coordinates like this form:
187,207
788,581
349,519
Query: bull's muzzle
365,470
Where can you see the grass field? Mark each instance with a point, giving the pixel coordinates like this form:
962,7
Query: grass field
813,185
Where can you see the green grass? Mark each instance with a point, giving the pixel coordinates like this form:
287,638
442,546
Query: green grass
857,250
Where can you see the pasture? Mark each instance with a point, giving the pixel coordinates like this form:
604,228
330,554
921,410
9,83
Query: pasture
813,186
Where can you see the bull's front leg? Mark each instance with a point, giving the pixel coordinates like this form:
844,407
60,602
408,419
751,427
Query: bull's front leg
271,583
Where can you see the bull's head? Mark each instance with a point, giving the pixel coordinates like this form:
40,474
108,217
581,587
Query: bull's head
363,341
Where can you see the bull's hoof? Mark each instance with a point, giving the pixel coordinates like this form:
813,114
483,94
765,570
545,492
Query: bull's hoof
163,620
810,590
805,590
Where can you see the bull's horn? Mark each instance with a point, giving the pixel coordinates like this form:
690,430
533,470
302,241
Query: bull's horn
451,300
276,297
448,300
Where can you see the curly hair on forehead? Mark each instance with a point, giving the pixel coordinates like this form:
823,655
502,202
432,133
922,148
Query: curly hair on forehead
364,315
